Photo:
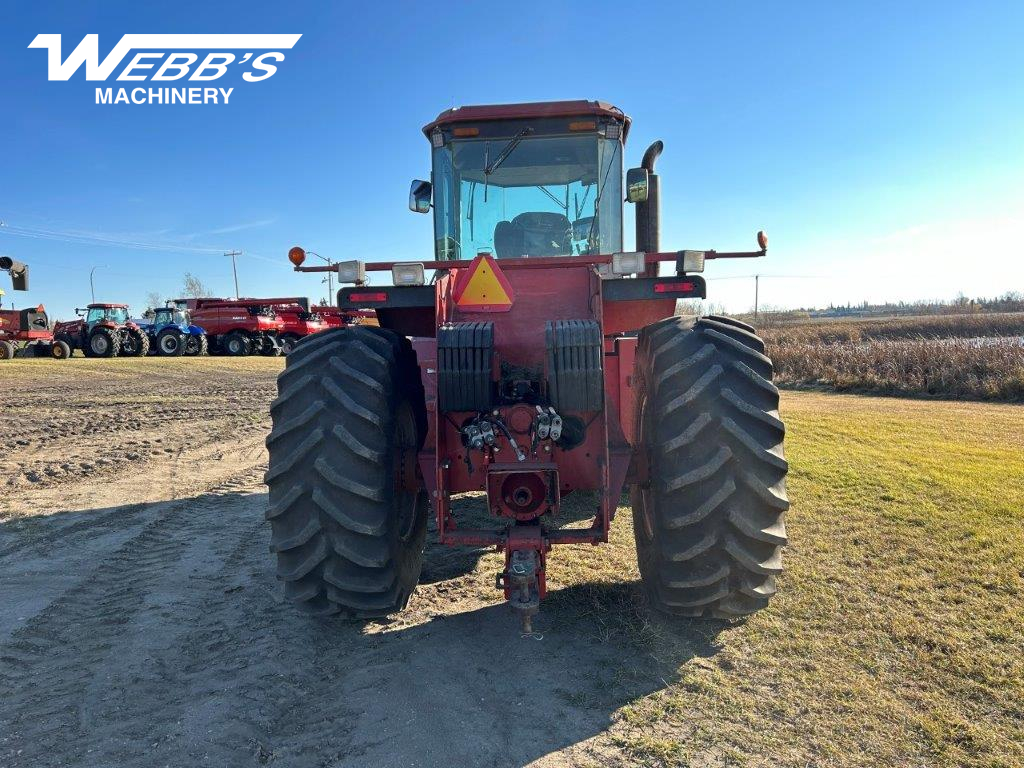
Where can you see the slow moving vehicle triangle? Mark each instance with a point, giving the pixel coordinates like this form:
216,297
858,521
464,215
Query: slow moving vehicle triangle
483,287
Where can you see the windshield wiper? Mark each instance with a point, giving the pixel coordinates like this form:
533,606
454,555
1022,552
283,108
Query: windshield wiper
490,168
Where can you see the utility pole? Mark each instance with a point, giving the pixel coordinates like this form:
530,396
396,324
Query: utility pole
234,268
757,280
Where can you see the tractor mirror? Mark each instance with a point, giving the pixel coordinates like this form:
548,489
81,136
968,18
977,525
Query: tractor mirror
419,196
636,185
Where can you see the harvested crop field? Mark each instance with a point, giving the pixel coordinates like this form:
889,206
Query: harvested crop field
142,625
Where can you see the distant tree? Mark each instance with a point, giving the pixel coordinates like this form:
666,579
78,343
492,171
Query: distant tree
193,288
153,300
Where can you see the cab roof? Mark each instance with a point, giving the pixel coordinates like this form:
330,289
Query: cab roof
107,306
529,110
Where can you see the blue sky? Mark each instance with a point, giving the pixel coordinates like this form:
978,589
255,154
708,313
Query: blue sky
880,145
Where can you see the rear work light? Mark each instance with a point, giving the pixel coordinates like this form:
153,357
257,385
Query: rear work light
351,272
690,261
370,297
628,263
407,274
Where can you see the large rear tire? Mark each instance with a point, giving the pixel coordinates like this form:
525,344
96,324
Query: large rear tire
103,342
348,509
709,524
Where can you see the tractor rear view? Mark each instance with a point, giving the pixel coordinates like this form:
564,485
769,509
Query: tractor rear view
540,361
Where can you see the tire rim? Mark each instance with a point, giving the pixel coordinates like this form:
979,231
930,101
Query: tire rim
100,344
235,346
169,344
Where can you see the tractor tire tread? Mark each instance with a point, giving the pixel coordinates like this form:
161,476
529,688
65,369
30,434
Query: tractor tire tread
333,509
717,490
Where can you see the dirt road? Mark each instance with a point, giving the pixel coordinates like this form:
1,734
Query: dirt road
141,622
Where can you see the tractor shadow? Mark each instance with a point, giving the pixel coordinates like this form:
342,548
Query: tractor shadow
451,681
469,688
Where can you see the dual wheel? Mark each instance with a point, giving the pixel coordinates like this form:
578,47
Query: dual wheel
348,513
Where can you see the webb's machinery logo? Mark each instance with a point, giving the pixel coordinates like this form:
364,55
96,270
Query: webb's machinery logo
168,58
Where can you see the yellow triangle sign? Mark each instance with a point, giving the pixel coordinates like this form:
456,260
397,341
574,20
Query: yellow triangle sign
484,288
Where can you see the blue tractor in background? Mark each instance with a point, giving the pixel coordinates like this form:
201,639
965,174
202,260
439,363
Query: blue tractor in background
172,334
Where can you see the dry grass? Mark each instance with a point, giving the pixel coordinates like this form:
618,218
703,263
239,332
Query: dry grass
974,356
898,634
927,327
993,370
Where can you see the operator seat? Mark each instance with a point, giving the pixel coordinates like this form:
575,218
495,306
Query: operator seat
535,234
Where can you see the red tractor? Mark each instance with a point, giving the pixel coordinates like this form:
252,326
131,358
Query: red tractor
541,361
29,330
103,330
238,327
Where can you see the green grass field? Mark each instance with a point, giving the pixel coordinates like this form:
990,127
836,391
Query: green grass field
897,637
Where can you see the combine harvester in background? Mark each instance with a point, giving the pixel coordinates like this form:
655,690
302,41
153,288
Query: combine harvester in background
103,330
299,322
541,361
253,326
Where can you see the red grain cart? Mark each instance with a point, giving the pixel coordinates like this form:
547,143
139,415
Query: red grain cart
28,331
541,361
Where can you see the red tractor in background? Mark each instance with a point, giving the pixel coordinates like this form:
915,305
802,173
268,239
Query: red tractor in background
29,330
103,330
238,327
542,360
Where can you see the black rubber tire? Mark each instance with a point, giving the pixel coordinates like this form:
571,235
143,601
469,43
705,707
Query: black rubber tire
271,347
288,342
348,510
68,341
236,344
170,343
710,524
60,350
112,347
6,350
135,343
197,345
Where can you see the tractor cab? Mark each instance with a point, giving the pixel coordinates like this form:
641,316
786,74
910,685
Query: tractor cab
97,314
163,316
544,182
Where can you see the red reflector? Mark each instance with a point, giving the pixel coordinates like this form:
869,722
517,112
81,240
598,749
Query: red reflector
367,297
673,287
